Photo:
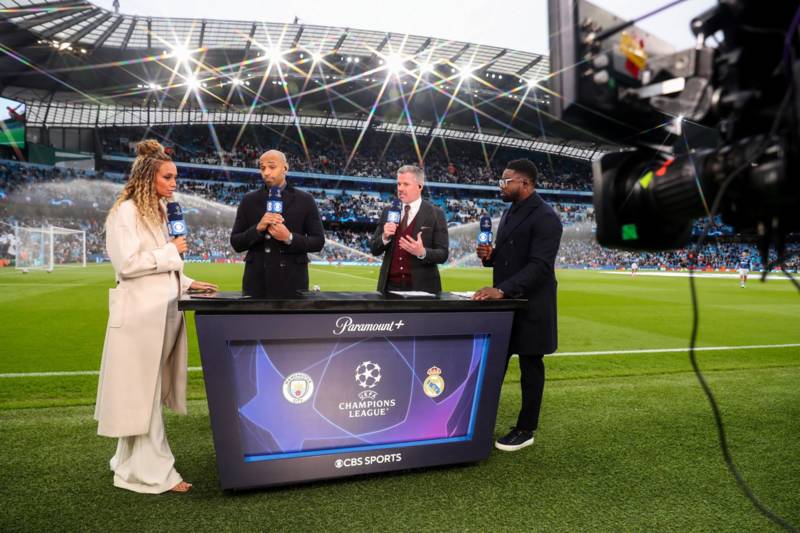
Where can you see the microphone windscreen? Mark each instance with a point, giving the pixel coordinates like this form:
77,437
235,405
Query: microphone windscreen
274,202
175,223
393,215
485,232
174,209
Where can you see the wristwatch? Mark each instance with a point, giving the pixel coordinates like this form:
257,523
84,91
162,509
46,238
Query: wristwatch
289,241
502,294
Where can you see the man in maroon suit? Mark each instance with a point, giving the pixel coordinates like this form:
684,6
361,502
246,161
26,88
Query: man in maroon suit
413,248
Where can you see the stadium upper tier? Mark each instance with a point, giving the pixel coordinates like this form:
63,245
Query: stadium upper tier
86,27
328,152
79,65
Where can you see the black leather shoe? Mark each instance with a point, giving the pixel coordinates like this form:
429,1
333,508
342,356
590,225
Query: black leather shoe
515,440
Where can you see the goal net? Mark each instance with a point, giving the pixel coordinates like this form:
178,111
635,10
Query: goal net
49,247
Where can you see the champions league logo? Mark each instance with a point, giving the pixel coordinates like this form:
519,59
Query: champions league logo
367,375
298,388
433,385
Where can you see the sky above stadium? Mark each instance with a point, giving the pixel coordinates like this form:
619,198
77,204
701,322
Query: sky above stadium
515,24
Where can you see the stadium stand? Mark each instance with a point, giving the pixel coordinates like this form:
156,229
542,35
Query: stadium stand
29,196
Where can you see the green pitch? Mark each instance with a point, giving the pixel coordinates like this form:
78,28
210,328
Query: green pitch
626,440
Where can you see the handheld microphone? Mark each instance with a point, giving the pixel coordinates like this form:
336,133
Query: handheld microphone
485,233
175,223
274,202
393,215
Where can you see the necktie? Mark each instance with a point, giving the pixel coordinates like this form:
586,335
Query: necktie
404,222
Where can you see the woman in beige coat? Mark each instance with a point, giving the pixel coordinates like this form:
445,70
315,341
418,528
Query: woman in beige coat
145,353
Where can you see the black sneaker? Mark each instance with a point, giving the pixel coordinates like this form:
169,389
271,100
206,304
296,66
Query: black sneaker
515,440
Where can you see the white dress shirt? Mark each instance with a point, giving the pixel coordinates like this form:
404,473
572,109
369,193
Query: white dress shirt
415,205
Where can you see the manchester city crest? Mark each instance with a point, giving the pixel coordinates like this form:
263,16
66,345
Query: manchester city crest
433,385
298,387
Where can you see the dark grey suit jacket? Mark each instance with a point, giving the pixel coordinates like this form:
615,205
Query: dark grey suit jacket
524,267
424,272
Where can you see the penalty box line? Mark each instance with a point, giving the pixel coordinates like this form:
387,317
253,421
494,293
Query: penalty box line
558,354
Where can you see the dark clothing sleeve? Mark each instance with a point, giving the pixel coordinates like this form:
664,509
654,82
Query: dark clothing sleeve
313,237
243,234
541,259
376,246
440,247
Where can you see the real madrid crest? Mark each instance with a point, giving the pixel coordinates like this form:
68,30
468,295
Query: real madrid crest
433,385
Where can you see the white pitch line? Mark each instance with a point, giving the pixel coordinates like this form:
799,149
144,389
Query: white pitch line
673,350
753,276
559,354
326,271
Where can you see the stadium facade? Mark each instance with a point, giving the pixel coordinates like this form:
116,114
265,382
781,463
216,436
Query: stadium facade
348,106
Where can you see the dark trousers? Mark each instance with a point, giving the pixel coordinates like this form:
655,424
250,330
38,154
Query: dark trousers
531,367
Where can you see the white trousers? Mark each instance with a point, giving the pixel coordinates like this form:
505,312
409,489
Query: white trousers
144,463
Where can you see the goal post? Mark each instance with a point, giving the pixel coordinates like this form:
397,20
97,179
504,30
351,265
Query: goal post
47,247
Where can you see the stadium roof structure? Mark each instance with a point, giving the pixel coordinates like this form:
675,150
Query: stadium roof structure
76,64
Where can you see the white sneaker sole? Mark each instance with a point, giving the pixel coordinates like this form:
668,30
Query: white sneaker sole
513,448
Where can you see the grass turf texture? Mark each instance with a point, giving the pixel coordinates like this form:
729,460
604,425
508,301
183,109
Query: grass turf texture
626,441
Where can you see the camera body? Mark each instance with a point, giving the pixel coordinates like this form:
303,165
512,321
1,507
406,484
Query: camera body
702,131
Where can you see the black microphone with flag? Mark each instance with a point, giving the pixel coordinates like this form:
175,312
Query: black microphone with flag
485,232
275,202
393,215
175,222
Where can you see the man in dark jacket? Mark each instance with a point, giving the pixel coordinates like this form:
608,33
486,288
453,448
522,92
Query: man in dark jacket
413,248
524,267
277,245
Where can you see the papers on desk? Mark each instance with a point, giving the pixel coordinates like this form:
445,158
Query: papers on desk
464,294
413,294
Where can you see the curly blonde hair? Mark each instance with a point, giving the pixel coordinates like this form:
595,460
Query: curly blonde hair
141,184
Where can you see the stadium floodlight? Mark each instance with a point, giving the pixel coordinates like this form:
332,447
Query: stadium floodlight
394,63
152,86
181,53
316,57
192,82
533,82
426,68
465,72
271,54
237,81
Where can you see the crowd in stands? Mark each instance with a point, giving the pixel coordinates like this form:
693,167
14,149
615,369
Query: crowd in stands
350,216
14,175
377,155
575,253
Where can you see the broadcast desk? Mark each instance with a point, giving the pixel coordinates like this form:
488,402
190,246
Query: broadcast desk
327,385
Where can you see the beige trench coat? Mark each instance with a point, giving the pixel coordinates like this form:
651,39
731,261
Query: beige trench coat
143,261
